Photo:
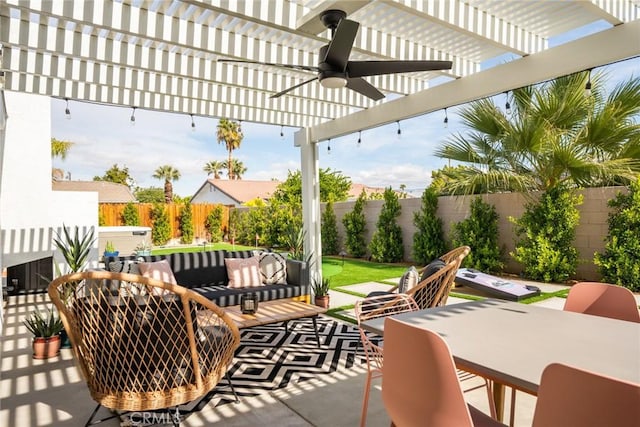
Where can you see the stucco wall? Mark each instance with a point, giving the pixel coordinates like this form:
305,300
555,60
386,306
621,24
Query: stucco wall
210,194
590,233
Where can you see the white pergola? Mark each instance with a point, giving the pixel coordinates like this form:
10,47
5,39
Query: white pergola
163,55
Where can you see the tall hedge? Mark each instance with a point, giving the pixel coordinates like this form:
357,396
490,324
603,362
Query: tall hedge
329,231
186,224
428,240
213,223
161,229
386,244
355,226
620,262
130,215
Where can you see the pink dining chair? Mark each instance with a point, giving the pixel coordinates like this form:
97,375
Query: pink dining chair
569,396
420,385
372,308
603,299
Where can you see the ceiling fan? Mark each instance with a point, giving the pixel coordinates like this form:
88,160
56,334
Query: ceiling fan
336,71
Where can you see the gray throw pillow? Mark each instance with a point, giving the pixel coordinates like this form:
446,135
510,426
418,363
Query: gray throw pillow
432,268
408,280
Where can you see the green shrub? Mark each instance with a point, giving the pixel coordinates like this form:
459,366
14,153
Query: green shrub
161,229
428,240
101,220
213,223
130,215
480,233
329,231
186,224
546,231
620,262
386,244
355,226
277,222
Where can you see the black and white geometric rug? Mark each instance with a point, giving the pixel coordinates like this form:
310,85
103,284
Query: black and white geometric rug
270,358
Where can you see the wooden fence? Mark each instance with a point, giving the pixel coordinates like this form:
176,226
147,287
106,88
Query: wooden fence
111,215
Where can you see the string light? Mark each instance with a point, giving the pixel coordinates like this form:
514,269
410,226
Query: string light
329,146
507,106
67,112
133,116
587,87
359,137
446,118
399,130
193,124
281,131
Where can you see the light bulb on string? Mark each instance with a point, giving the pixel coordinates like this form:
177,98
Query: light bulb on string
67,112
329,146
133,116
281,131
507,105
399,130
587,87
446,119
359,137
193,124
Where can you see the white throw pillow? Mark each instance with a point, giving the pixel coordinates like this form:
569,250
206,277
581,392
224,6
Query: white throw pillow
273,268
408,280
243,272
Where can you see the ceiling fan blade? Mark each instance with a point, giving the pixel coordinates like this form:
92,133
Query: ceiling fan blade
375,68
341,44
294,67
365,88
279,94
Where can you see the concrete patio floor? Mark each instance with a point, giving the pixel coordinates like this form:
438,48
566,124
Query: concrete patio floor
52,393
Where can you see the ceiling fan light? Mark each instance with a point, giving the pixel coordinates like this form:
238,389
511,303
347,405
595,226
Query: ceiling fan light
333,82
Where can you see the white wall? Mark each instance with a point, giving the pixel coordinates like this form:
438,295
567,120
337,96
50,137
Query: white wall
210,194
30,212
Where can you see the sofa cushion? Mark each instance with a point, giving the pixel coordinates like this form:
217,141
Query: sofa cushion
224,296
243,272
126,266
195,269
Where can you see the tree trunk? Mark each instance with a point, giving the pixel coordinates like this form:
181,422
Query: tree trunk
168,191
230,166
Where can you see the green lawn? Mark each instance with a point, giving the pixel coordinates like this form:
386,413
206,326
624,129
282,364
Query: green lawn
357,271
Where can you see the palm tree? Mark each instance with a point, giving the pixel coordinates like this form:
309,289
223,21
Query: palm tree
214,167
237,167
556,135
60,148
168,173
230,133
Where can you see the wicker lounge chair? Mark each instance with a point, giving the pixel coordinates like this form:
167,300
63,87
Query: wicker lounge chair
142,344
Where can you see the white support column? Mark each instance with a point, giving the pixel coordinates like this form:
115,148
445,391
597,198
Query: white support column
310,200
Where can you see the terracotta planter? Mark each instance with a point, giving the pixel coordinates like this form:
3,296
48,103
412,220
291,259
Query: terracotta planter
322,301
44,348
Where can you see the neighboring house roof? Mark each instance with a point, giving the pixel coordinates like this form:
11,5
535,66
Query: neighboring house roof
242,190
108,192
356,189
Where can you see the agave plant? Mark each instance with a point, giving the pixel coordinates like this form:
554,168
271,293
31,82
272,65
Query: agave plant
75,248
43,325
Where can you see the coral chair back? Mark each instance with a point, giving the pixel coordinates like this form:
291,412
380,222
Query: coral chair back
372,308
569,396
420,386
142,344
603,299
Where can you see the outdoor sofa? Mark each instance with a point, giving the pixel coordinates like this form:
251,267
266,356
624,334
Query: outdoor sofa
206,273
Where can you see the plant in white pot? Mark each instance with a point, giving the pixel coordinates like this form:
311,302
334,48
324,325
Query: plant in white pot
143,249
45,328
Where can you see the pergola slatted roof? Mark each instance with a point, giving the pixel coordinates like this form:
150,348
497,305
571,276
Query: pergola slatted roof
162,55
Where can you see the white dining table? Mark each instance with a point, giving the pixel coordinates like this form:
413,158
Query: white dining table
512,343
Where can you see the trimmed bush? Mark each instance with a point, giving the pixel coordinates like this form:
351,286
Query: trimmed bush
213,223
130,215
428,240
480,233
161,229
386,244
186,224
546,231
355,226
329,231
620,262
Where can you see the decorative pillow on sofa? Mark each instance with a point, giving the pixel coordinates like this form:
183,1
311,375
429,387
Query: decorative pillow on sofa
129,267
243,272
408,280
159,270
273,268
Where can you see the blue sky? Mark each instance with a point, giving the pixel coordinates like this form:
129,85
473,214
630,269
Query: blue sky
103,136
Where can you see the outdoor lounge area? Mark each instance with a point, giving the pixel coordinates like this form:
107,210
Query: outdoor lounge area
219,337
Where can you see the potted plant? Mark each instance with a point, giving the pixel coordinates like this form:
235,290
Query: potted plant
321,292
46,330
110,250
143,249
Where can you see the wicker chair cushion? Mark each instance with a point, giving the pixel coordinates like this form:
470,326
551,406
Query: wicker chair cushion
432,268
408,280
243,272
273,268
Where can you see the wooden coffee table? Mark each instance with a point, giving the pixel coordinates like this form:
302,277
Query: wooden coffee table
276,311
